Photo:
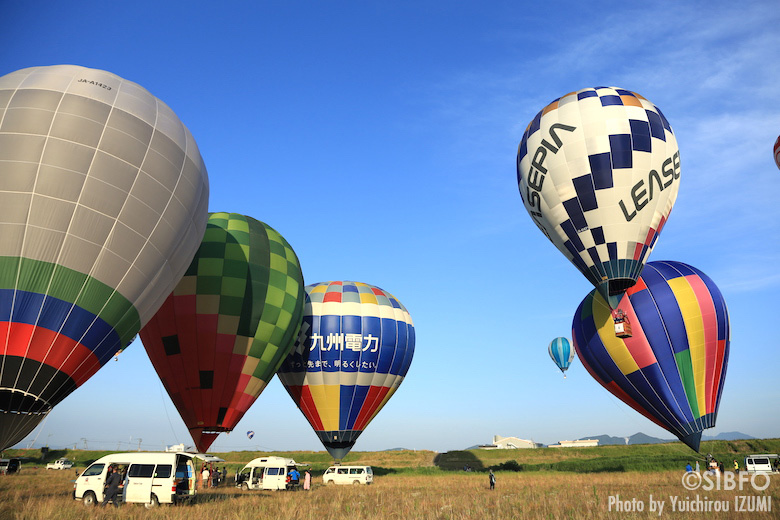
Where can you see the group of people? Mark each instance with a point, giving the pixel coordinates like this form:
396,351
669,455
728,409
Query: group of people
212,476
294,480
713,466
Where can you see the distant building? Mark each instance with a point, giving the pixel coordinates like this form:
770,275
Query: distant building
583,443
509,443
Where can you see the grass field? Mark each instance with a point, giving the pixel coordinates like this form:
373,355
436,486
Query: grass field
420,484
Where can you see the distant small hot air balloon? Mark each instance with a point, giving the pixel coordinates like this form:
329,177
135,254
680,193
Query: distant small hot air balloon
221,335
103,201
354,349
672,368
250,434
777,152
598,171
561,353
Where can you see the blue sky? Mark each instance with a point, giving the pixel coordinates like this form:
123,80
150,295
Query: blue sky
380,138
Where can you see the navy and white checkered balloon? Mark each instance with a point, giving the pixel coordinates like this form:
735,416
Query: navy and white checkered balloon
598,171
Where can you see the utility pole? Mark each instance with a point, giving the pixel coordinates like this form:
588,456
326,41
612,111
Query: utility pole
85,442
139,444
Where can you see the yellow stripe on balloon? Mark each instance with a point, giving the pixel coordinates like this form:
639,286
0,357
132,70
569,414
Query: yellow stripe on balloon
326,401
615,346
694,328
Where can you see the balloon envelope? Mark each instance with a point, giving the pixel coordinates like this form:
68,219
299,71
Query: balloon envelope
672,368
561,353
354,349
777,152
598,171
221,335
103,202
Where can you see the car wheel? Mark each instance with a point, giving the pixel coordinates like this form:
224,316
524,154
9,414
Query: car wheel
153,502
89,499
355,482
245,486
330,483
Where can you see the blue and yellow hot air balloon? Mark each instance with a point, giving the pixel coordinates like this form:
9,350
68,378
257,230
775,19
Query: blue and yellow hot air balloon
354,349
561,353
598,171
672,368
103,203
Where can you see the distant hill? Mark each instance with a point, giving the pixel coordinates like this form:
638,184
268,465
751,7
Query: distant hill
727,436
641,438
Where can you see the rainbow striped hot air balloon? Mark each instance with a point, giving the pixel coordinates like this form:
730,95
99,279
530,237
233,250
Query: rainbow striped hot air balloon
223,332
561,353
354,349
103,203
672,368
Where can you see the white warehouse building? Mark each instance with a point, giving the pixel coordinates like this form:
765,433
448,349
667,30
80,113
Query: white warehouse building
510,443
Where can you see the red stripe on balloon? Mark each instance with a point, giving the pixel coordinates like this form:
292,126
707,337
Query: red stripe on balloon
371,403
309,409
48,347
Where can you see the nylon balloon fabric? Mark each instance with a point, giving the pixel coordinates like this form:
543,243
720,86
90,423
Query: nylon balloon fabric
221,335
598,171
561,353
103,203
673,368
353,352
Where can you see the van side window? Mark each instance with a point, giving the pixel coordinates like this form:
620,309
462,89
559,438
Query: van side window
330,470
95,469
163,471
273,471
141,470
343,471
356,471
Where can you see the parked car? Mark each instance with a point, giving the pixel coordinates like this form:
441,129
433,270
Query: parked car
60,464
266,473
10,466
765,463
348,475
148,478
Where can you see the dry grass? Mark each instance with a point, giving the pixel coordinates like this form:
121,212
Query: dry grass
41,495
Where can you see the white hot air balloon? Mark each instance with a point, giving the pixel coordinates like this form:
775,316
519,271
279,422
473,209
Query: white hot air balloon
598,171
103,203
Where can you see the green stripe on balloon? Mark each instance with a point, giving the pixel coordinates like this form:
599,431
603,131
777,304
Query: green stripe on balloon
71,286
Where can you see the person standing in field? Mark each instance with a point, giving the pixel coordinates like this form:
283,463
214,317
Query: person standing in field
698,468
307,481
112,486
492,478
205,476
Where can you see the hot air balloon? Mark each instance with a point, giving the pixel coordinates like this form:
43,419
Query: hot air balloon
250,434
221,335
777,152
103,203
672,368
598,171
561,353
354,349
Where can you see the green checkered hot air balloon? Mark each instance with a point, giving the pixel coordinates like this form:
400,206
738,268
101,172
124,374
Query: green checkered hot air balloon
221,335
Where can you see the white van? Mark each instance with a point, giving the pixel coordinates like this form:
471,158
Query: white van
148,478
348,475
761,463
266,473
